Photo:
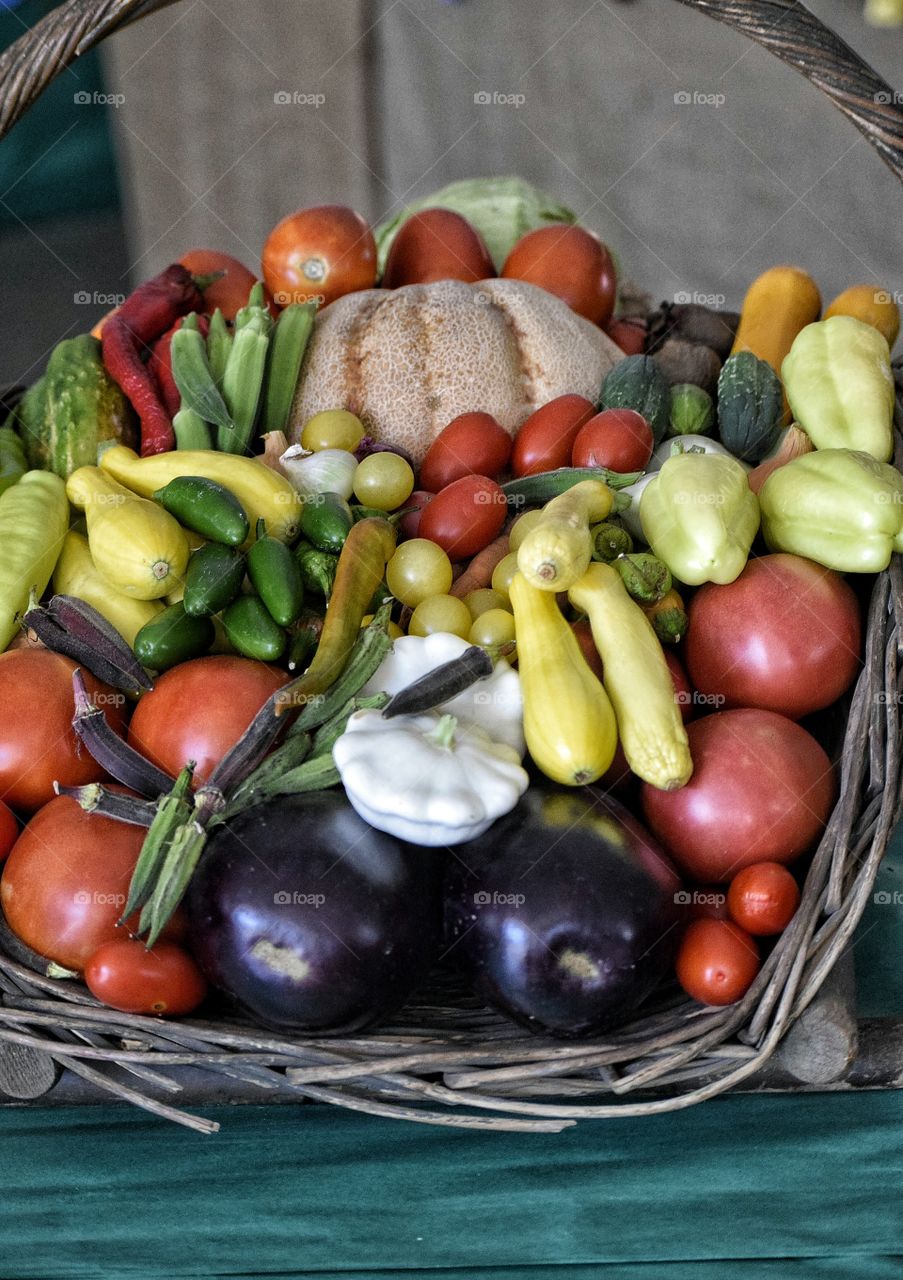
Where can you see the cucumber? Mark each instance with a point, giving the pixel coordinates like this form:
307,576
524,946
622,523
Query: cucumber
276,578
533,491
251,630
171,637
13,463
750,406
326,520
207,507
214,578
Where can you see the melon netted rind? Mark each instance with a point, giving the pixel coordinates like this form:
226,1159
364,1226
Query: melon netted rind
409,360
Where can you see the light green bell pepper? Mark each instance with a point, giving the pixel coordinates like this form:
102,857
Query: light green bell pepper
839,384
700,516
840,507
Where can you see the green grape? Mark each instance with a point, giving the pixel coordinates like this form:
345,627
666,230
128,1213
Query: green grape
332,429
419,568
496,626
522,526
482,599
504,572
440,613
383,480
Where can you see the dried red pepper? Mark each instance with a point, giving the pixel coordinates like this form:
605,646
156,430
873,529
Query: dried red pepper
127,337
160,365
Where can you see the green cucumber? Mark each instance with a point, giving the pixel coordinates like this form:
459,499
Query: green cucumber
276,577
171,637
534,491
326,520
750,406
252,631
213,580
13,463
206,507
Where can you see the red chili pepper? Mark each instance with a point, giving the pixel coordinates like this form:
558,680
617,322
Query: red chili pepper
160,365
127,337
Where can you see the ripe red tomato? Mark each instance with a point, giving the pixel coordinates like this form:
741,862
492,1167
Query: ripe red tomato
437,244
629,333
65,882
763,898
199,709
785,636
683,690
128,977
230,292
761,790
37,742
570,262
465,517
546,439
321,252
620,439
9,830
471,444
717,962
409,524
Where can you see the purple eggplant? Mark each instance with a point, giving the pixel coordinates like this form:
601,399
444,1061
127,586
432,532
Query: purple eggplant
565,914
310,919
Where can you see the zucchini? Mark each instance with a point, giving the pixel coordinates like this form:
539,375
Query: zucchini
638,383
533,491
750,406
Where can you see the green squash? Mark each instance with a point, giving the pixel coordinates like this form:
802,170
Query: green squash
638,383
750,406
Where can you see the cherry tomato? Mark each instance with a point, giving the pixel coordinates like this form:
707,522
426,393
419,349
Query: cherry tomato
717,961
321,252
9,830
546,439
683,690
471,444
465,516
437,244
409,525
199,709
65,882
128,977
763,898
570,262
38,745
620,439
629,333
785,636
230,292
761,790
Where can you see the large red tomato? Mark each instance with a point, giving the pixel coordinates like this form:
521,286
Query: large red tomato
322,252
785,636
65,883
471,444
570,262
199,709
465,517
38,745
437,244
761,791
546,439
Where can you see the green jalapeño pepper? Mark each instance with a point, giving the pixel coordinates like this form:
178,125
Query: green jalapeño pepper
840,507
700,517
839,384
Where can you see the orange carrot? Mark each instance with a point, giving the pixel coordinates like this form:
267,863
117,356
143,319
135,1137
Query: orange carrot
481,568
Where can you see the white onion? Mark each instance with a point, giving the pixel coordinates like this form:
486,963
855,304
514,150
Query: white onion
326,471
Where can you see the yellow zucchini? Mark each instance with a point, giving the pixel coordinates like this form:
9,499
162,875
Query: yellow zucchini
569,723
77,575
871,305
136,545
636,678
778,304
558,547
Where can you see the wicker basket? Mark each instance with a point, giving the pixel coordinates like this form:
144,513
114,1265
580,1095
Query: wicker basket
444,1054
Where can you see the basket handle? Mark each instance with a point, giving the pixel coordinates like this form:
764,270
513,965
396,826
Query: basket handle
785,27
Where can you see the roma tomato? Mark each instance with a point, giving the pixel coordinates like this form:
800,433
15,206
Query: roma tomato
437,244
65,882
230,292
630,335
785,636
619,439
38,745
570,262
546,439
761,790
471,444
465,517
9,830
763,898
409,524
199,709
717,962
321,252
128,977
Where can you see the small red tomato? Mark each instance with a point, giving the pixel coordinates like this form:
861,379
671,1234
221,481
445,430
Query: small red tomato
546,439
230,291
465,516
473,444
620,439
717,961
629,333
763,898
437,244
9,830
683,690
570,262
409,524
321,252
128,977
